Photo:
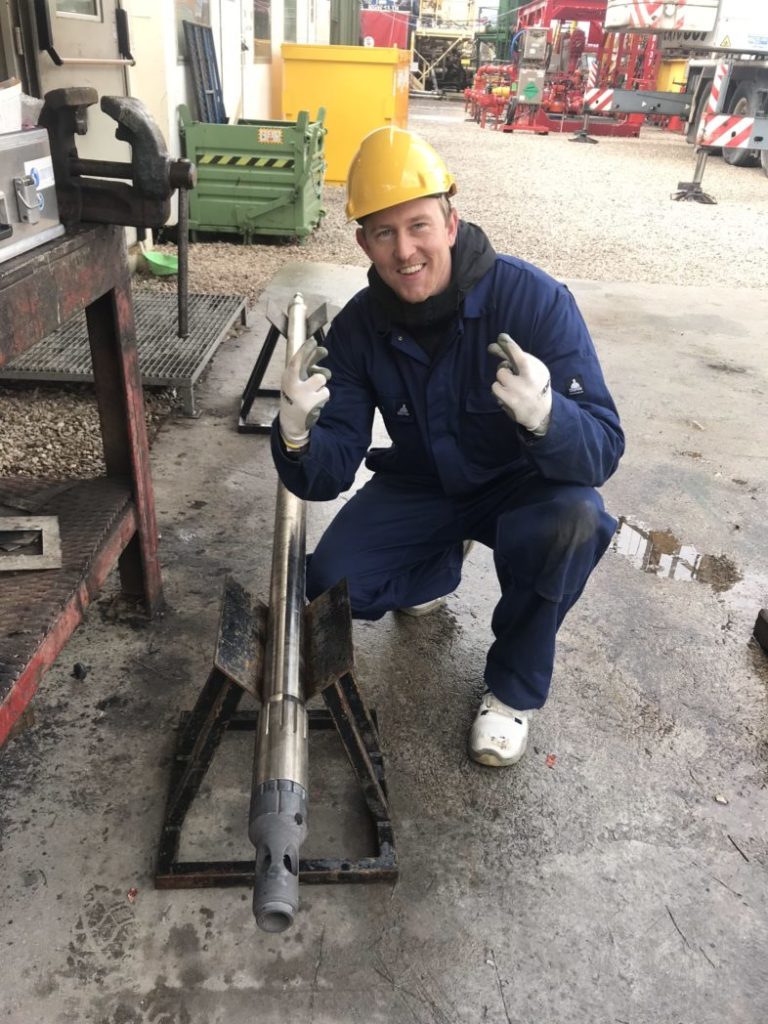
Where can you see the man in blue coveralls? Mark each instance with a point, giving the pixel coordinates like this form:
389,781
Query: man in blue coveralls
494,440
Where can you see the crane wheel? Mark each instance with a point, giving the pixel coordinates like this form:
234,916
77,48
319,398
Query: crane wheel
743,104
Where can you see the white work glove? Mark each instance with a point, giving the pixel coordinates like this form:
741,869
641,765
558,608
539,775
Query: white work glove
303,393
522,386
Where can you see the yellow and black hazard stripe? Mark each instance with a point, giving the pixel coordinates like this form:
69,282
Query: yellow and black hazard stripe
221,160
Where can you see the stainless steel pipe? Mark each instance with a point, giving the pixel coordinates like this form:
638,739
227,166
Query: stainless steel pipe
278,815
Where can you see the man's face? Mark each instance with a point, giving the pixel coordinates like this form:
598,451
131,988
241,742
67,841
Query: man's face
410,246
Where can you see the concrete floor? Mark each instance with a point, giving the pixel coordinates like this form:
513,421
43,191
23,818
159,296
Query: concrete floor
625,881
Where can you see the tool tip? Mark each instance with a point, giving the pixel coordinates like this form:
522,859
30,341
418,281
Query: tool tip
275,916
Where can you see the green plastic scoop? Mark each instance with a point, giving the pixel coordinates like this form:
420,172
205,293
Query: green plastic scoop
163,264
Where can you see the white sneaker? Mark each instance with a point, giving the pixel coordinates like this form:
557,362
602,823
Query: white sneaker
499,733
431,606
424,609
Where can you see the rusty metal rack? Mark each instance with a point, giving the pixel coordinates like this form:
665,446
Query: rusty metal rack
328,657
95,519
165,359
103,521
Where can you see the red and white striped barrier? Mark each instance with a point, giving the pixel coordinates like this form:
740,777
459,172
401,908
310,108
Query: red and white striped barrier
598,99
714,102
645,13
726,131
592,75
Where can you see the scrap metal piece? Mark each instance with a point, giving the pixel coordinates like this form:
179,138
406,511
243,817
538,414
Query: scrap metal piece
29,542
329,650
241,638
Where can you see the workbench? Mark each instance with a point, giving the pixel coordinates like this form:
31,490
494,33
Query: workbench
102,521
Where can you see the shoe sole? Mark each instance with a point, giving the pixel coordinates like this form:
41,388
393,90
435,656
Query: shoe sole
416,611
491,760
426,609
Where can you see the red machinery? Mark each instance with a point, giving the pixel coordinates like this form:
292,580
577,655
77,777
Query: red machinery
623,59
490,91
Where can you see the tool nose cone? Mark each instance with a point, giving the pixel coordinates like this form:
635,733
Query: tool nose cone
275,916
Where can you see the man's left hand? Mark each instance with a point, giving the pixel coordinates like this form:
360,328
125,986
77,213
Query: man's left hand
522,385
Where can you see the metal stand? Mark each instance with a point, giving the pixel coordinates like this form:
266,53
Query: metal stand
182,248
253,389
583,134
102,521
691,191
237,667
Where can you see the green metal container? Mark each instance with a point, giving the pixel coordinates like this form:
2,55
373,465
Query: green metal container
255,177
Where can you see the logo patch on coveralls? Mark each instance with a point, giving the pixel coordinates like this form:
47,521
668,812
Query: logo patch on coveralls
575,386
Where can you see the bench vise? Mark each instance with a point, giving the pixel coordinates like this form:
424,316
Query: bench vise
82,192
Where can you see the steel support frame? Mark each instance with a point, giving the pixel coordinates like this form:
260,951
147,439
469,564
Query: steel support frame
421,77
216,712
541,123
637,101
39,291
253,388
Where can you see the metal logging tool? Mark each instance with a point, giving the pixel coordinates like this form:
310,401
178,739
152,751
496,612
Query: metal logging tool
278,818
283,655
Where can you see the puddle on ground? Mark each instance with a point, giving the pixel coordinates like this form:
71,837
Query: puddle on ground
661,553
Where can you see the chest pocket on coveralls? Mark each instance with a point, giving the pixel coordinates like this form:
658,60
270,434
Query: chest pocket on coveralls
487,434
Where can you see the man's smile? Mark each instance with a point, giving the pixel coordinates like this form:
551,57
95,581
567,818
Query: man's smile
410,245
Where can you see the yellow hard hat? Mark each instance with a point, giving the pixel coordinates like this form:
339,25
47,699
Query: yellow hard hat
392,166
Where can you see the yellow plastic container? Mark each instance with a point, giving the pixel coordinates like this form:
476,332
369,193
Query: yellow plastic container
671,76
360,87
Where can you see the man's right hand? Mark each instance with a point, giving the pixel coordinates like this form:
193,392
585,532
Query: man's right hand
303,393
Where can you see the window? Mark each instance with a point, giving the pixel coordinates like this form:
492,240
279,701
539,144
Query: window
289,21
80,8
262,31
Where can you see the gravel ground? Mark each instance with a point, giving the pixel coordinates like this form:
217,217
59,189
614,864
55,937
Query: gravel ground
600,213
53,432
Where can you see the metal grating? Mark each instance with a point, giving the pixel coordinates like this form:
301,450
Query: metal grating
165,359
31,602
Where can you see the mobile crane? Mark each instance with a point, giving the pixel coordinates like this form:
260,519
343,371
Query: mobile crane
705,33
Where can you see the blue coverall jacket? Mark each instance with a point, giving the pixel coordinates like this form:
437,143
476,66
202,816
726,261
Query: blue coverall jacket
459,459
447,428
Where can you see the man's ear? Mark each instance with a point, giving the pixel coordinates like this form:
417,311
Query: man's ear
362,241
453,226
